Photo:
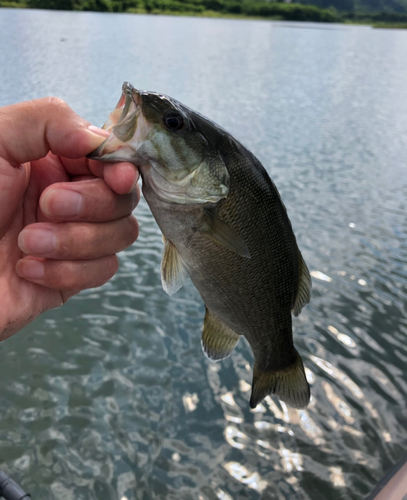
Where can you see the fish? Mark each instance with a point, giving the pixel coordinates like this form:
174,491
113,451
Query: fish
225,227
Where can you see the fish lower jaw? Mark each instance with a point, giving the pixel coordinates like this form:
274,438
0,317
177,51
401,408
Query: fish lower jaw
171,197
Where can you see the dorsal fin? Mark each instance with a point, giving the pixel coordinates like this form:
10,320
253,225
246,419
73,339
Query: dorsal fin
304,286
173,270
218,340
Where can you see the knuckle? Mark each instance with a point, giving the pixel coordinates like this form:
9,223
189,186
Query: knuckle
126,231
67,294
77,241
72,280
57,103
71,276
92,273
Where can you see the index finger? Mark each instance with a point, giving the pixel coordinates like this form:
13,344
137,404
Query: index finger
29,130
121,177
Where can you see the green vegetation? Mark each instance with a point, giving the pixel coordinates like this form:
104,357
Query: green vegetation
247,8
379,13
13,5
382,20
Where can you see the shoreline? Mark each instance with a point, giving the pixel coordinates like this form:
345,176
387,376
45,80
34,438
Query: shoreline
211,14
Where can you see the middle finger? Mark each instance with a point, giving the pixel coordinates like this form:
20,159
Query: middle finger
87,200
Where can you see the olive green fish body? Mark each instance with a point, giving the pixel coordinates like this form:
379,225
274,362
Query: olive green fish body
239,248
253,296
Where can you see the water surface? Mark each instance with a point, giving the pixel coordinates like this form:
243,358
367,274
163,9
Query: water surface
110,396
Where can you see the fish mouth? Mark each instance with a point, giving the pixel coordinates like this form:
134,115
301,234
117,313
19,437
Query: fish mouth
128,104
121,124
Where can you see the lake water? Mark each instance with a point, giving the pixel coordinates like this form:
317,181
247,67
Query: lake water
111,396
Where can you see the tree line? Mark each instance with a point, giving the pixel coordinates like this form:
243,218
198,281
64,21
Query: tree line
328,11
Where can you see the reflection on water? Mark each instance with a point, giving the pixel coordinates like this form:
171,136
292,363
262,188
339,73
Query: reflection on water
110,398
342,337
320,276
239,472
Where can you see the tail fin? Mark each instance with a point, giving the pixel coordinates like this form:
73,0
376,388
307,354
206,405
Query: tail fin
290,385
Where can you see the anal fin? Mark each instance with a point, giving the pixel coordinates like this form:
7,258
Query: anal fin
173,270
218,340
290,385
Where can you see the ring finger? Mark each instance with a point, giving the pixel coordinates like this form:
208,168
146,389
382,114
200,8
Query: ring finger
78,240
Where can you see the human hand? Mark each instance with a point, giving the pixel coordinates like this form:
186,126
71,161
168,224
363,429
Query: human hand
62,217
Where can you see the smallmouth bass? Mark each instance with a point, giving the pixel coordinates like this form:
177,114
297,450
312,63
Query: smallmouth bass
225,226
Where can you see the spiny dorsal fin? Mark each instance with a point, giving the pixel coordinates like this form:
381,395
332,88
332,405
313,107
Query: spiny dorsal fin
290,385
173,270
304,286
222,233
218,340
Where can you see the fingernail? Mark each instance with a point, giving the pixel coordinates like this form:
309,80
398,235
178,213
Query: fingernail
37,241
31,269
66,204
98,131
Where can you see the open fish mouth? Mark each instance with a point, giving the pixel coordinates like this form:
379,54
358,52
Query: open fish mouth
122,125
128,104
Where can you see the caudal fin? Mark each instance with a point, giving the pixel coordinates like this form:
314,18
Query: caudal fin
290,385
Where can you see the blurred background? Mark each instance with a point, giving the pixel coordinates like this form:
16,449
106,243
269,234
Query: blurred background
110,396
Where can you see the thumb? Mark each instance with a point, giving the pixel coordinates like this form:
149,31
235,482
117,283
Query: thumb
29,130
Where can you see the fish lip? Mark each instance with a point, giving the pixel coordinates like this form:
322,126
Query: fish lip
129,90
129,95
97,154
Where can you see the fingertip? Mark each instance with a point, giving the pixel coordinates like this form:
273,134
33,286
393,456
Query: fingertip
122,178
47,124
115,265
96,167
95,136
74,140
68,134
99,131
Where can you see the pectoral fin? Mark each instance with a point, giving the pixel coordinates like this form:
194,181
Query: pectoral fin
224,234
290,384
304,286
173,270
218,340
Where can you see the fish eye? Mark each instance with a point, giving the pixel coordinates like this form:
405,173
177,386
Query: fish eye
174,120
